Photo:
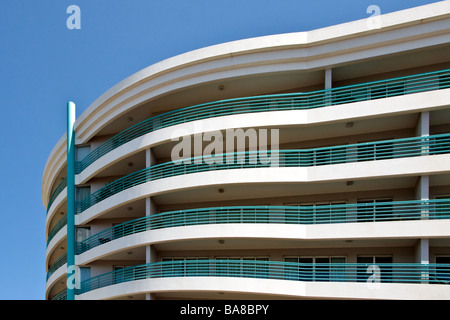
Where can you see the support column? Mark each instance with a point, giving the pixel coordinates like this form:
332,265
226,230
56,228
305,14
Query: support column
150,159
151,254
71,272
423,245
423,193
328,78
423,188
423,125
423,251
423,184
328,85
423,257
423,130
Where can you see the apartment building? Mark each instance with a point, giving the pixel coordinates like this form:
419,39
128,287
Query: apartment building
345,195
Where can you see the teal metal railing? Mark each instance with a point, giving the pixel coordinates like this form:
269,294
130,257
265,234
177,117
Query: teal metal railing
305,100
62,260
60,296
323,214
61,186
291,271
58,226
278,102
370,151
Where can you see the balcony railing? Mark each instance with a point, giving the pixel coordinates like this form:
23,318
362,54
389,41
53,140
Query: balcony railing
279,102
370,151
58,226
323,214
290,271
61,186
62,260
60,296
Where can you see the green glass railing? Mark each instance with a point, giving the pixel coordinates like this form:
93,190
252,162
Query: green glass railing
58,226
290,271
321,214
278,102
61,186
370,151
62,260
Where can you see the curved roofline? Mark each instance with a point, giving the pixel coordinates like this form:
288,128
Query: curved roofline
265,43
304,39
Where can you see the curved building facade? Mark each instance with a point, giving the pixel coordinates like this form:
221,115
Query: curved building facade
295,166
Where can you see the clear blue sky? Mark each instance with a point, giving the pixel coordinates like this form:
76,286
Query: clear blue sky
43,64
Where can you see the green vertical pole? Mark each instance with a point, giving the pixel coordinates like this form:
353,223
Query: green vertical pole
71,201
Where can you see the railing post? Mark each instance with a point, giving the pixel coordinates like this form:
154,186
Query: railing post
70,200
423,130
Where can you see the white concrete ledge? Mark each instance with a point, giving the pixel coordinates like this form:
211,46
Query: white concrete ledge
59,236
53,208
59,275
278,119
277,232
271,289
425,165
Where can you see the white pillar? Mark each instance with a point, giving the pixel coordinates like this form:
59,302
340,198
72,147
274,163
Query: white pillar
423,256
423,251
423,188
150,159
328,78
423,193
328,85
423,130
151,254
423,125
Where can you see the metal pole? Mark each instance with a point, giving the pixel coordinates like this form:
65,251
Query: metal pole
71,201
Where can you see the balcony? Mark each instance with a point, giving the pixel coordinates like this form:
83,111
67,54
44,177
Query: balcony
60,296
59,188
370,151
397,273
327,214
62,260
279,102
59,225
362,92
